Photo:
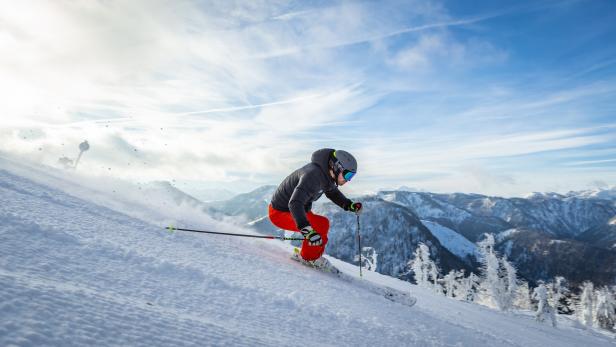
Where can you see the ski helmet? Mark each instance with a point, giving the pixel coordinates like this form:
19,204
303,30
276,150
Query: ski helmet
344,163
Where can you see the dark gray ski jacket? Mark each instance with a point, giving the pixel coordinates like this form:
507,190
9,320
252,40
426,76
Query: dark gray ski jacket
305,185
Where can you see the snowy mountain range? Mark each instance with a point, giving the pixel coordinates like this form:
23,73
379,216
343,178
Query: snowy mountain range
560,216
580,223
396,221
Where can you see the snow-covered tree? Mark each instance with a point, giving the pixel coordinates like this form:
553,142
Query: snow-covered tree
434,273
543,306
419,264
586,305
451,282
490,281
511,281
523,296
499,280
605,309
426,271
467,291
558,291
369,258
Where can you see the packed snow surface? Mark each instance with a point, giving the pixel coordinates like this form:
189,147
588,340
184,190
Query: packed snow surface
76,272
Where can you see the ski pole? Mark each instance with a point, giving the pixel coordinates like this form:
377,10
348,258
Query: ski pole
359,245
270,237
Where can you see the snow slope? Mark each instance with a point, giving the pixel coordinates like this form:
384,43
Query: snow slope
454,242
74,272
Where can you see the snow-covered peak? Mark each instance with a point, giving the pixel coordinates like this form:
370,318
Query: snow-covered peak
598,193
543,196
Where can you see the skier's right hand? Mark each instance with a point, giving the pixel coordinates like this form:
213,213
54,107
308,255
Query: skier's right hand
314,239
356,207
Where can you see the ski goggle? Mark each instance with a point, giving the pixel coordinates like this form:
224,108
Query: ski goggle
347,174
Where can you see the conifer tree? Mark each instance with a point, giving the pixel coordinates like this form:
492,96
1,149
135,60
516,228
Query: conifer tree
451,282
544,310
467,291
586,305
498,276
523,296
559,296
426,271
605,309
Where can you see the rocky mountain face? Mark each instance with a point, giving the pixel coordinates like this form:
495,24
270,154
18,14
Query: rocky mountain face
540,257
603,235
393,231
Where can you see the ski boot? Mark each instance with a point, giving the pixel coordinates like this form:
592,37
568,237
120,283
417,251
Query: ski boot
321,264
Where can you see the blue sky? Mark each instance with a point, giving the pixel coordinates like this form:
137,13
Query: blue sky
493,97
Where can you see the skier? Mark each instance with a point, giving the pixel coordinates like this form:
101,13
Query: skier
292,200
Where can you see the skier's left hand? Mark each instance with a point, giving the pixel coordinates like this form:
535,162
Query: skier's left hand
356,207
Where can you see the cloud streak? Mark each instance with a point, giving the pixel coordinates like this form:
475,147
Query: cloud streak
371,38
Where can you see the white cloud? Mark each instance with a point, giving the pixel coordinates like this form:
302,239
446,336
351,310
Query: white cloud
591,162
441,50
116,73
419,56
223,90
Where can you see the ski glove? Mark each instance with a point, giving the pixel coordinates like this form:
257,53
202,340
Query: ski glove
356,207
314,239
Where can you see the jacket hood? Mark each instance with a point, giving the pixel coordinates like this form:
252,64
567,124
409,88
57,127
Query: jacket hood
321,158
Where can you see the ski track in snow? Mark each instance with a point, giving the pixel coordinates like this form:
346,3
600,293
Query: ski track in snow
75,273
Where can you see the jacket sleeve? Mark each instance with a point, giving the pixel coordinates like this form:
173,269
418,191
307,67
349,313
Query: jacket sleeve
338,198
301,195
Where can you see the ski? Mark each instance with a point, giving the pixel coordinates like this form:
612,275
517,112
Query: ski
390,294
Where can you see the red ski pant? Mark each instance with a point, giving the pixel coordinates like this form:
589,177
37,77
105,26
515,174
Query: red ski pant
284,220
